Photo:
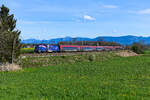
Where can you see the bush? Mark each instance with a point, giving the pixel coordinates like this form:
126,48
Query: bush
137,48
92,57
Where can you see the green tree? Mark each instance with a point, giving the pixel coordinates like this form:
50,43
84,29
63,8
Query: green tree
9,37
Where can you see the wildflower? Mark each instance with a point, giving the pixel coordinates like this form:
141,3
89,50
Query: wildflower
124,95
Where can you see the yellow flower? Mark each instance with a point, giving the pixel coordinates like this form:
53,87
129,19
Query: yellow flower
124,95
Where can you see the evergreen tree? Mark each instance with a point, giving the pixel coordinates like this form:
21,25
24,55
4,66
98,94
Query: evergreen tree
9,37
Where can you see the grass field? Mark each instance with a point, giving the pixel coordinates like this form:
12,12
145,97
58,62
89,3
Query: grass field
147,52
116,78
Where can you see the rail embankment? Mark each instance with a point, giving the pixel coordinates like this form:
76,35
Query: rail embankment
38,60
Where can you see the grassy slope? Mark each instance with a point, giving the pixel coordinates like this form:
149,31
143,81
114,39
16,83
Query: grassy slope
115,79
60,60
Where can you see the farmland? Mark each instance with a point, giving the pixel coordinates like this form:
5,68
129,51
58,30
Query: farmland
100,76
27,50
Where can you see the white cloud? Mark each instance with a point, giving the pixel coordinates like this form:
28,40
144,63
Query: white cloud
87,17
110,6
145,11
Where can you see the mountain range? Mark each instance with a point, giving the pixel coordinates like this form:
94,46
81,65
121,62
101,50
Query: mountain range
123,40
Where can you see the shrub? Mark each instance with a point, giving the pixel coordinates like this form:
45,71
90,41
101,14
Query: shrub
92,57
137,48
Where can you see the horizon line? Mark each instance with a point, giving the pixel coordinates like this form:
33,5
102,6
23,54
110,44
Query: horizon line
86,37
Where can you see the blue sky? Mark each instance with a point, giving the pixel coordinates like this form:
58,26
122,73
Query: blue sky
46,19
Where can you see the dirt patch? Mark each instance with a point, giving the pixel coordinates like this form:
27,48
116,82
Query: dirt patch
9,67
127,53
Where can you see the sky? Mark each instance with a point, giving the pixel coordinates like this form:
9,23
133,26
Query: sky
47,19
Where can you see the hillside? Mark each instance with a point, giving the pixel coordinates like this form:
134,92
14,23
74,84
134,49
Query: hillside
124,40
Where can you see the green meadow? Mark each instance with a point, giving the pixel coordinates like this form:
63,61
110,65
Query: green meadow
147,52
105,77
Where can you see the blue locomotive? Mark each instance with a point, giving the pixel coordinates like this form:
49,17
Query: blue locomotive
46,48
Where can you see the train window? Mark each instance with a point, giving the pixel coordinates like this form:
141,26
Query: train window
69,48
87,48
99,48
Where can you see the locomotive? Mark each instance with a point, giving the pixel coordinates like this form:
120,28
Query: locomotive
73,48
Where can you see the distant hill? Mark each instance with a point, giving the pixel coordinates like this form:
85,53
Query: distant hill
124,40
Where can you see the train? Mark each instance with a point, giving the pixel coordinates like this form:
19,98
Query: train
47,48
